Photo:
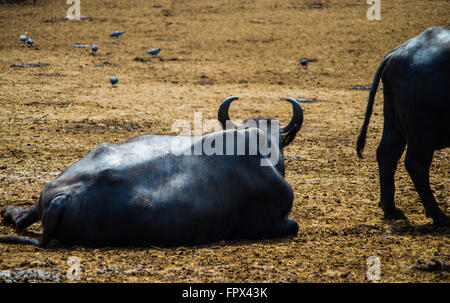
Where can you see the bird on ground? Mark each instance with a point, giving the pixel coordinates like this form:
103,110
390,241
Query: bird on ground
116,34
154,51
113,80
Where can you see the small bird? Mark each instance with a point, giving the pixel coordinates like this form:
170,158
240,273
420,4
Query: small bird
30,42
94,47
304,61
113,80
23,38
154,51
116,34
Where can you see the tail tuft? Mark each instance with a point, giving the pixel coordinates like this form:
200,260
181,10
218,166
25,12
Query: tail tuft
360,143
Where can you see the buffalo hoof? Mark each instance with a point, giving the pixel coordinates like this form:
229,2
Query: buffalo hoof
10,215
394,214
290,228
284,228
442,220
6,216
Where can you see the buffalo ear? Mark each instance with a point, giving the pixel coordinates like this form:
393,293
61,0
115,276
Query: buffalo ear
290,135
287,139
289,131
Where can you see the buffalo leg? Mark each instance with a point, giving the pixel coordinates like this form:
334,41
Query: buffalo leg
18,217
389,151
50,219
417,163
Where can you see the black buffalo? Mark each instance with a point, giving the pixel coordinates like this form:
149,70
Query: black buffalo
143,192
416,88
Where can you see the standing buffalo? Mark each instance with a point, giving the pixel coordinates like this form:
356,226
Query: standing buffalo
416,88
145,191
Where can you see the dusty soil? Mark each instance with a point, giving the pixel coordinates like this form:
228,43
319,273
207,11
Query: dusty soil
53,113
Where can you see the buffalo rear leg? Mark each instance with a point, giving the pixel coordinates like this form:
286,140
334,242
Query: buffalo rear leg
417,163
389,151
18,217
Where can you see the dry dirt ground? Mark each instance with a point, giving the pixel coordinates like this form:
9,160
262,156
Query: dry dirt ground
52,114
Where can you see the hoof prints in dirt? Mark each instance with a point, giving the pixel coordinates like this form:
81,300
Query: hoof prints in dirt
81,46
363,229
204,81
106,63
49,103
27,65
432,265
51,75
140,59
427,229
29,275
82,18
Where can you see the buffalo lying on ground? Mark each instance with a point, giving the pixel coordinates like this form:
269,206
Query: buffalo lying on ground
416,88
156,190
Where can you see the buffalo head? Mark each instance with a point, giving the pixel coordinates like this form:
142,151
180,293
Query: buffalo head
285,134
